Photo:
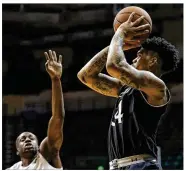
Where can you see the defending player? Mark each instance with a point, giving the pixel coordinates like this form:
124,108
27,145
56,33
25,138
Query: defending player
33,156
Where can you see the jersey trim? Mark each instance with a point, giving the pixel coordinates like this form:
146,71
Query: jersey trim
169,97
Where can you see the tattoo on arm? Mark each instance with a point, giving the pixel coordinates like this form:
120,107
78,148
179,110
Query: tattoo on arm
91,76
116,54
142,80
96,65
106,85
103,85
128,80
116,57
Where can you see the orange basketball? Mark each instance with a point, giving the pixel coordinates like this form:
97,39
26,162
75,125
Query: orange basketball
123,15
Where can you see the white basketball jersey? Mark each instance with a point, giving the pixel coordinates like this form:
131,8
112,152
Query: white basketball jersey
39,163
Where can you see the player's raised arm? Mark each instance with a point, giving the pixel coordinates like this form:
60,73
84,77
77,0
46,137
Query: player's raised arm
91,75
51,145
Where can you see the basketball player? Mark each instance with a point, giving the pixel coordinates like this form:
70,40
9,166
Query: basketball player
142,96
33,156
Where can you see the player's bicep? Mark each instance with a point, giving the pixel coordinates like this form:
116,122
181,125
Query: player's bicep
104,84
139,79
55,133
53,142
150,83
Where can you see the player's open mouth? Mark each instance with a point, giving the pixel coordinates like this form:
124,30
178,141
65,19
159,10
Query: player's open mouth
28,145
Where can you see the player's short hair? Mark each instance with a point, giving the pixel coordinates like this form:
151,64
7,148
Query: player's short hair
167,52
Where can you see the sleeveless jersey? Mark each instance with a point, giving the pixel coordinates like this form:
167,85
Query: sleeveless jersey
132,130
39,163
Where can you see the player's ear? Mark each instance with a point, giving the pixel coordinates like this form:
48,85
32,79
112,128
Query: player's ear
18,150
153,61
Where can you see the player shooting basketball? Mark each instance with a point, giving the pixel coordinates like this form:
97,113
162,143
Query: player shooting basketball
33,156
142,96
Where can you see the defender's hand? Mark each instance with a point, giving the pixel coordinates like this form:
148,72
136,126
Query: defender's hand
53,65
132,29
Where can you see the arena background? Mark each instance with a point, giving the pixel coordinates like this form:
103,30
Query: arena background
77,31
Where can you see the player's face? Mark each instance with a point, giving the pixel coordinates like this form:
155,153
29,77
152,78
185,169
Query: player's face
27,144
141,62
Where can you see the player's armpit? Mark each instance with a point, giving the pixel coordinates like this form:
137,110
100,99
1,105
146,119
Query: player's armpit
142,80
103,84
52,157
44,148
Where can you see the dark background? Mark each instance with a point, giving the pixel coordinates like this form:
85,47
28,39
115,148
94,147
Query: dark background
77,31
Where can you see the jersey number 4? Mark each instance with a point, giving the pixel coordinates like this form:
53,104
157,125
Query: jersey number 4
118,116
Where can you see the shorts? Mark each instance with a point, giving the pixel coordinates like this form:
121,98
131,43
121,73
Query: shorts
147,165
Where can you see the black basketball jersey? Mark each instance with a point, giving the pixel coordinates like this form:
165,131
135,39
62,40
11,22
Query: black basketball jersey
133,125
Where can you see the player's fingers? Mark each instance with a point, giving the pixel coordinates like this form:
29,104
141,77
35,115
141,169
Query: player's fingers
141,33
46,64
131,17
60,59
46,55
142,27
54,55
138,21
140,38
134,46
51,55
130,46
132,42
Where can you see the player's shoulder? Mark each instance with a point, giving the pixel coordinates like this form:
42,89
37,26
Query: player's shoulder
16,166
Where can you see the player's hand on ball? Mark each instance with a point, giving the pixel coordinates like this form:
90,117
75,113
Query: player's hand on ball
53,64
131,44
132,29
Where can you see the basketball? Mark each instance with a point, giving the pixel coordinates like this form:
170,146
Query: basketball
123,15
